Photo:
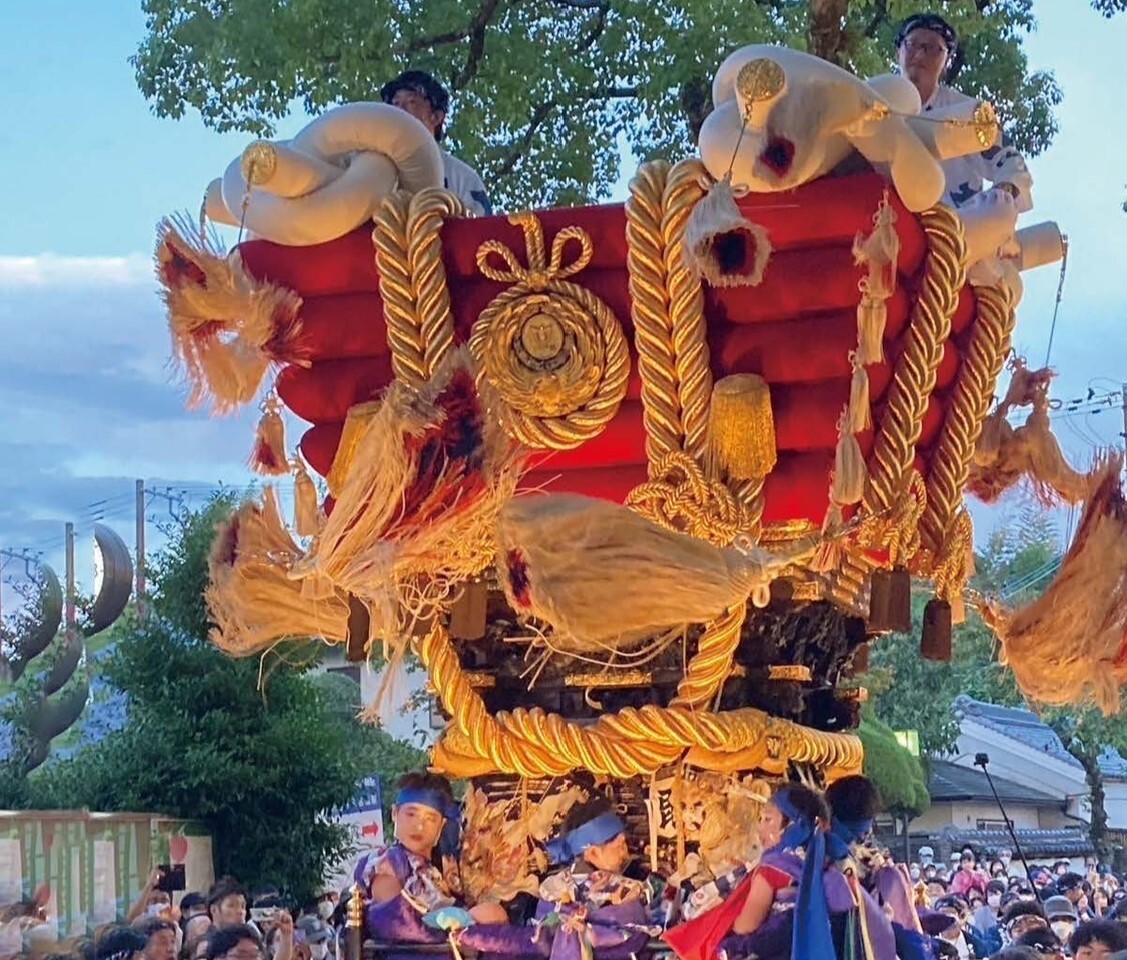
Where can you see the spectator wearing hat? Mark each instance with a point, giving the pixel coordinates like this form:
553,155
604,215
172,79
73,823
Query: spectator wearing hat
1062,916
926,48
419,94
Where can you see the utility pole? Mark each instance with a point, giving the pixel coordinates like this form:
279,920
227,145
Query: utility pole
71,605
1124,393
139,561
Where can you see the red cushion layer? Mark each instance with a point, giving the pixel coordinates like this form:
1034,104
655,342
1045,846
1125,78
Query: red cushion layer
324,392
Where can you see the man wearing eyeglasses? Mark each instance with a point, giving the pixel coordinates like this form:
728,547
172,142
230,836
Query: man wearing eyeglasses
925,49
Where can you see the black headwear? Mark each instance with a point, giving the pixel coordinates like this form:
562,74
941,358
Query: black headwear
929,21
422,83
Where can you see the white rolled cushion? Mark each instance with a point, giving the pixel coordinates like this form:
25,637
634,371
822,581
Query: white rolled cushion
328,213
898,92
1040,244
377,127
989,221
213,206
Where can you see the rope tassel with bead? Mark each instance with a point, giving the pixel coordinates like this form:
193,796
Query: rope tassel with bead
269,454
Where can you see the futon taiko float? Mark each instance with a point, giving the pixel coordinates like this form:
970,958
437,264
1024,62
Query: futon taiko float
638,482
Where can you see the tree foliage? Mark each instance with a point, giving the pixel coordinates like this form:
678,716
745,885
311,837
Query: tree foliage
263,765
546,94
897,774
910,693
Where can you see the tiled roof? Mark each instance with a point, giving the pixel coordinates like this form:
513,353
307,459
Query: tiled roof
1020,725
948,783
1035,844
1112,765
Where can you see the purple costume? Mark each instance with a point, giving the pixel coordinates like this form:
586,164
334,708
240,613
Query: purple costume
773,940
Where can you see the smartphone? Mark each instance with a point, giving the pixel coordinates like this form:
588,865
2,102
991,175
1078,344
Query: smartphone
172,878
263,914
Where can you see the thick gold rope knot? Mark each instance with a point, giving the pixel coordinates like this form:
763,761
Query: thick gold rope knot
540,271
685,500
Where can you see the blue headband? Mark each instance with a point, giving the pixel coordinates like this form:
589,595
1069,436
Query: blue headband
435,799
449,842
846,832
604,828
811,936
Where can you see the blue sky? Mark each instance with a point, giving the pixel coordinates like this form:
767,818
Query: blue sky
88,398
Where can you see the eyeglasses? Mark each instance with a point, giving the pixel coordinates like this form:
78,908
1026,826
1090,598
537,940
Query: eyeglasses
244,953
925,47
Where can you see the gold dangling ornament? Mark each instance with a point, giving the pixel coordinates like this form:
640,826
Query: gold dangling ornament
269,455
307,514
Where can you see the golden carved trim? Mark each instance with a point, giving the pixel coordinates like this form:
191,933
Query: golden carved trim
563,387
969,404
633,742
480,680
914,377
790,672
609,680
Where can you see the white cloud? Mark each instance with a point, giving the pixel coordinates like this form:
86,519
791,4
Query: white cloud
51,270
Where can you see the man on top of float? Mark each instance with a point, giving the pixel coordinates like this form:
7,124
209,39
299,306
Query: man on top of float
419,94
925,48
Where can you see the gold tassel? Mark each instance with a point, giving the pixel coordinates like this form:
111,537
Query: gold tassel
742,427
307,515
355,425
880,251
850,473
872,316
860,419
269,455
722,244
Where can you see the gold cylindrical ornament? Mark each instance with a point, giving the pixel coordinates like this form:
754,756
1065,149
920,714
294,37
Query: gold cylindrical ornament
742,427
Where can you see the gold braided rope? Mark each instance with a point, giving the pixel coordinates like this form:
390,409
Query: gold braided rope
914,378
404,333
531,743
953,568
433,317
712,665
562,408
683,191
649,306
683,499
670,332
970,402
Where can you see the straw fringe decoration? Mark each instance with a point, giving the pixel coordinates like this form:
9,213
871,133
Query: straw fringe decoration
1071,643
722,244
1004,454
227,327
416,510
605,578
250,597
